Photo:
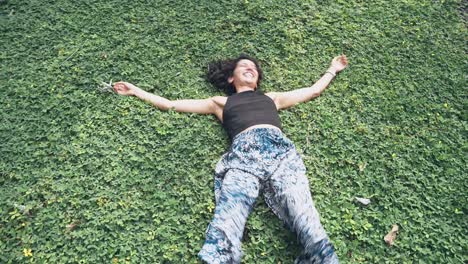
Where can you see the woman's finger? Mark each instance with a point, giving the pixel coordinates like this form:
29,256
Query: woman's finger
119,88
344,59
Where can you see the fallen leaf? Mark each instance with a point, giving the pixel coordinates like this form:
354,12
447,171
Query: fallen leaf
362,166
391,236
363,201
72,226
23,209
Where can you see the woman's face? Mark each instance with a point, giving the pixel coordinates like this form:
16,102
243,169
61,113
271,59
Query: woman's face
245,74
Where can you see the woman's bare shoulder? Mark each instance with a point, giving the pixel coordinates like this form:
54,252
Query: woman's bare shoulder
219,103
272,95
219,100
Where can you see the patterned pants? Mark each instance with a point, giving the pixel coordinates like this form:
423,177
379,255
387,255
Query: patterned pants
263,160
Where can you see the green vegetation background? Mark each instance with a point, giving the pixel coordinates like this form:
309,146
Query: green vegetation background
92,177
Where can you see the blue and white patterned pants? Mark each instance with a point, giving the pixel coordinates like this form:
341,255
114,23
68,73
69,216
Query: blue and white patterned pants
263,160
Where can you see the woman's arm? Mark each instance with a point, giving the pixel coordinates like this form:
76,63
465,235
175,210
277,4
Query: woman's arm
211,105
287,99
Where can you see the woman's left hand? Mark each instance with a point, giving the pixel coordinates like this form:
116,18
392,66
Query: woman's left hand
339,63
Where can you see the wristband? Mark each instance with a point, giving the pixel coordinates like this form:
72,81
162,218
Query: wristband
334,75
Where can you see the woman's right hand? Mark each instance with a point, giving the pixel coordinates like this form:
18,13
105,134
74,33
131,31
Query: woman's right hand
125,88
339,63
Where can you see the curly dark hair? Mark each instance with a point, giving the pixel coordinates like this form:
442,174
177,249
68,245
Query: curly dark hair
220,71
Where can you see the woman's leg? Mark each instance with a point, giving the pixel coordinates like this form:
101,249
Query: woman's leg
239,191
287,193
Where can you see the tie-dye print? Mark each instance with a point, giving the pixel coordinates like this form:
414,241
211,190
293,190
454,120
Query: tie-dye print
263,160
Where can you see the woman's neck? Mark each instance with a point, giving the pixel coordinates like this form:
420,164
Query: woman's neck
244,89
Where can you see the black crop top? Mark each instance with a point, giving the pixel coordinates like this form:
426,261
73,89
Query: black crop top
246,109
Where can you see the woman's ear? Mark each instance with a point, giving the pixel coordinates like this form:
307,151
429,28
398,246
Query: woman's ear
230,79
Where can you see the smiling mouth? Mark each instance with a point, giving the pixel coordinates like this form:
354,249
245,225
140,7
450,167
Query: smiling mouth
249,74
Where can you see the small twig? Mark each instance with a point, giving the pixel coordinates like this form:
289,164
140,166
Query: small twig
72,54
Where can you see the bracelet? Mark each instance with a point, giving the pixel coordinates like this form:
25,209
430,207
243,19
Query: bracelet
334,75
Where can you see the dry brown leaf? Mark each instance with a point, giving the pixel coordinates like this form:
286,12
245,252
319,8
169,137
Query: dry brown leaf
391,236
72,226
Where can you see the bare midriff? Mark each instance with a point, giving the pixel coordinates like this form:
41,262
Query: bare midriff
259,126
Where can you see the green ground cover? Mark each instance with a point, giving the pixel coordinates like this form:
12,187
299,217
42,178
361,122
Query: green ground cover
92,177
